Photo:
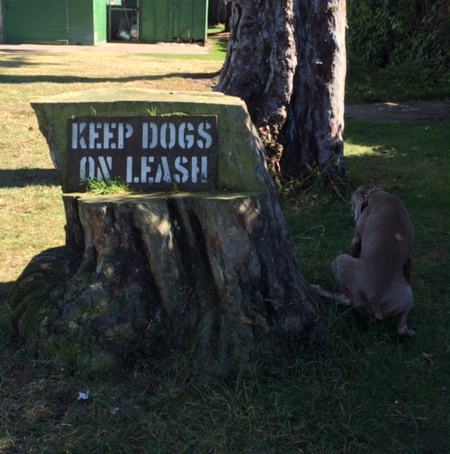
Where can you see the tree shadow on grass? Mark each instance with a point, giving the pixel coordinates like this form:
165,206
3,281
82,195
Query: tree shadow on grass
20,178
17,63
15,79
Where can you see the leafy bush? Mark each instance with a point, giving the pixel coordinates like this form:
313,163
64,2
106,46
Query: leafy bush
391,32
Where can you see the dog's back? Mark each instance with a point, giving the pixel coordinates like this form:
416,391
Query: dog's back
386,230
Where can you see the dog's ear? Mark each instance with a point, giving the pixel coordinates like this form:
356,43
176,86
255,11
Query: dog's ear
357,202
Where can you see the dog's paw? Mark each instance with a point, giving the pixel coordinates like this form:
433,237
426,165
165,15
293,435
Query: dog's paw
406,332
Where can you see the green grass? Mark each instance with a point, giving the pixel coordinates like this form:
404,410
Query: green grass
402,83
105,187
366,392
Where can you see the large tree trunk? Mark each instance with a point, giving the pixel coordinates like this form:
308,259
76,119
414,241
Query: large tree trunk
287,61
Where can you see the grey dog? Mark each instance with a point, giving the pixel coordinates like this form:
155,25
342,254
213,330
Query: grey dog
375,276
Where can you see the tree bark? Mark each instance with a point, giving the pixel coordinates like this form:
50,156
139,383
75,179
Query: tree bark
214,277
287,61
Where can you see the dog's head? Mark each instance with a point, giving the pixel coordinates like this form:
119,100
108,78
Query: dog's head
360,198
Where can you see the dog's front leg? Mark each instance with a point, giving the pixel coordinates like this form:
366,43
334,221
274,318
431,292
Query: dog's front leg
355,247
407,271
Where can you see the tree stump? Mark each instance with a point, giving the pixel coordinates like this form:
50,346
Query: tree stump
211,274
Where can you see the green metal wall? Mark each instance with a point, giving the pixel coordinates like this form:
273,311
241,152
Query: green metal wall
168,20
87,21
54,21
100,22
40,21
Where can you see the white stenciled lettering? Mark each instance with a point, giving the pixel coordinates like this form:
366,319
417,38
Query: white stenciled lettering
77,138
149,135
163,171
101,170
168,135
206,136
125,132
185,140
129,172
183,174
195,169
94,135
108,135
146,169
100,136
204,171
165,150
87,167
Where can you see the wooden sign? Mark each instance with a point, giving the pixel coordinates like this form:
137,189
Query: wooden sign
148,153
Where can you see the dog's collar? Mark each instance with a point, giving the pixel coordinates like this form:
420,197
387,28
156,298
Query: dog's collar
365,201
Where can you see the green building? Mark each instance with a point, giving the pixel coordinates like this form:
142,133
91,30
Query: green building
93,22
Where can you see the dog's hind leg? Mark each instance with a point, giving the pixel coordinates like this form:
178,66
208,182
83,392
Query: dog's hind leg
407,271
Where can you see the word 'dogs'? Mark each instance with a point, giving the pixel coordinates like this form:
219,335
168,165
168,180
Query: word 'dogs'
145,152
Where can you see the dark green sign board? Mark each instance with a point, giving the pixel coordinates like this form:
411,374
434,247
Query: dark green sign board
148,153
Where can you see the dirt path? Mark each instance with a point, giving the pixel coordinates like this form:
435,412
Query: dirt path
404,112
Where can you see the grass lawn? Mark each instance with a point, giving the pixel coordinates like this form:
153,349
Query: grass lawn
367,392
407,82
